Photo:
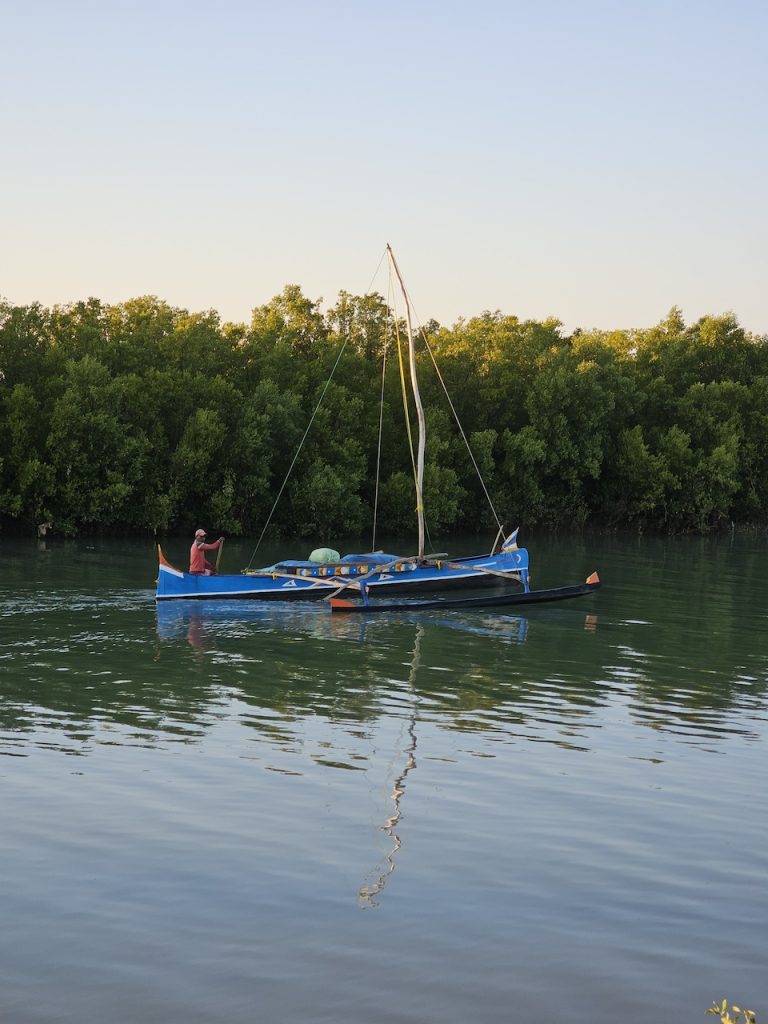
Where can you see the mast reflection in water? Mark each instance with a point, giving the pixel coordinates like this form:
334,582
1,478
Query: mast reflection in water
198,621
368,893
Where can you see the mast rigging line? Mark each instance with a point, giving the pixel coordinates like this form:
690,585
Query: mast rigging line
409,306
298,450
417,402
461,430
309,425
416,462
406,410
381,417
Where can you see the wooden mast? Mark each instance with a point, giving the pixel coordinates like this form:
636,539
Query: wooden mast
419,407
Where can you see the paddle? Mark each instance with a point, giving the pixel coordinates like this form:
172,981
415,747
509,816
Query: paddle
218,554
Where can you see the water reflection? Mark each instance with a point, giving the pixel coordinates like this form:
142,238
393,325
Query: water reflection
198,621
243,781
92,665
367,894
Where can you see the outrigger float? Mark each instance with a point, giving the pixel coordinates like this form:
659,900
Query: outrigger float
340,604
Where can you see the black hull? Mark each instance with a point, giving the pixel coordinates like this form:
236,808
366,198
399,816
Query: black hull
483,601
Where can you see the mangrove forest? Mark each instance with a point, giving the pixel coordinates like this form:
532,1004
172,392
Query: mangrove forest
142,417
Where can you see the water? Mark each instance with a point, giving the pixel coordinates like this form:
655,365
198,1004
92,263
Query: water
251,812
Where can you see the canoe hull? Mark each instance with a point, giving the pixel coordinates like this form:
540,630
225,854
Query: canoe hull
479,571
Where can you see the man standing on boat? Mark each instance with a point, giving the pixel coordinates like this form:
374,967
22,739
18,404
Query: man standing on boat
198,563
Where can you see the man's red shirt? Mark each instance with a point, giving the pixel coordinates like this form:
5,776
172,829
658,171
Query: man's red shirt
197,559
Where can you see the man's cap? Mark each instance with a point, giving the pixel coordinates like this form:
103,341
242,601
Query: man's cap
199,533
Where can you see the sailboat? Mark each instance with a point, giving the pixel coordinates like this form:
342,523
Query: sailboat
377,573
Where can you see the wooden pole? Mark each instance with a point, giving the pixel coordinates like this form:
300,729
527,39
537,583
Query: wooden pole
419,408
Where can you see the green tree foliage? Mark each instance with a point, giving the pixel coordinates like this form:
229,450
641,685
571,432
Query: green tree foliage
139,416
95,455
732,1014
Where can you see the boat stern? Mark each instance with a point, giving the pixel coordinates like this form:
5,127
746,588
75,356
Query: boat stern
170,581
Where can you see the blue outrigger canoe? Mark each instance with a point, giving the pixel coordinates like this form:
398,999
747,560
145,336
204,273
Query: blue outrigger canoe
374,573
377,574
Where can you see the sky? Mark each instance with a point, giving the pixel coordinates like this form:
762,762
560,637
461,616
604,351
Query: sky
596,162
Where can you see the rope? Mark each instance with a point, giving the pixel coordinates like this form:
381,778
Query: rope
461,431
381,431
295,457
455,414
404,391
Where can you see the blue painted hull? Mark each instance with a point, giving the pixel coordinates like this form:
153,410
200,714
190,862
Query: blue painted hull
299,583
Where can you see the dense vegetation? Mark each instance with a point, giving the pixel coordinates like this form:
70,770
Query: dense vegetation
143,417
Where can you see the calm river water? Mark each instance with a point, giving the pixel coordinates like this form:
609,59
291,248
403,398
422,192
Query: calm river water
250,813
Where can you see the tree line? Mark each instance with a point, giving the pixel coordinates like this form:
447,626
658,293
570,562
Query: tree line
143,417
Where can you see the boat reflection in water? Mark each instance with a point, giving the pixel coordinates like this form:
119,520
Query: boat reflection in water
199,621
203,623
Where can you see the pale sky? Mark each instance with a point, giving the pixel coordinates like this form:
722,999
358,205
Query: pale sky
598,162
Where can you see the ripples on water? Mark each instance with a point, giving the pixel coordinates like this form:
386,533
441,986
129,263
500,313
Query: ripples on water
562,812
102,640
